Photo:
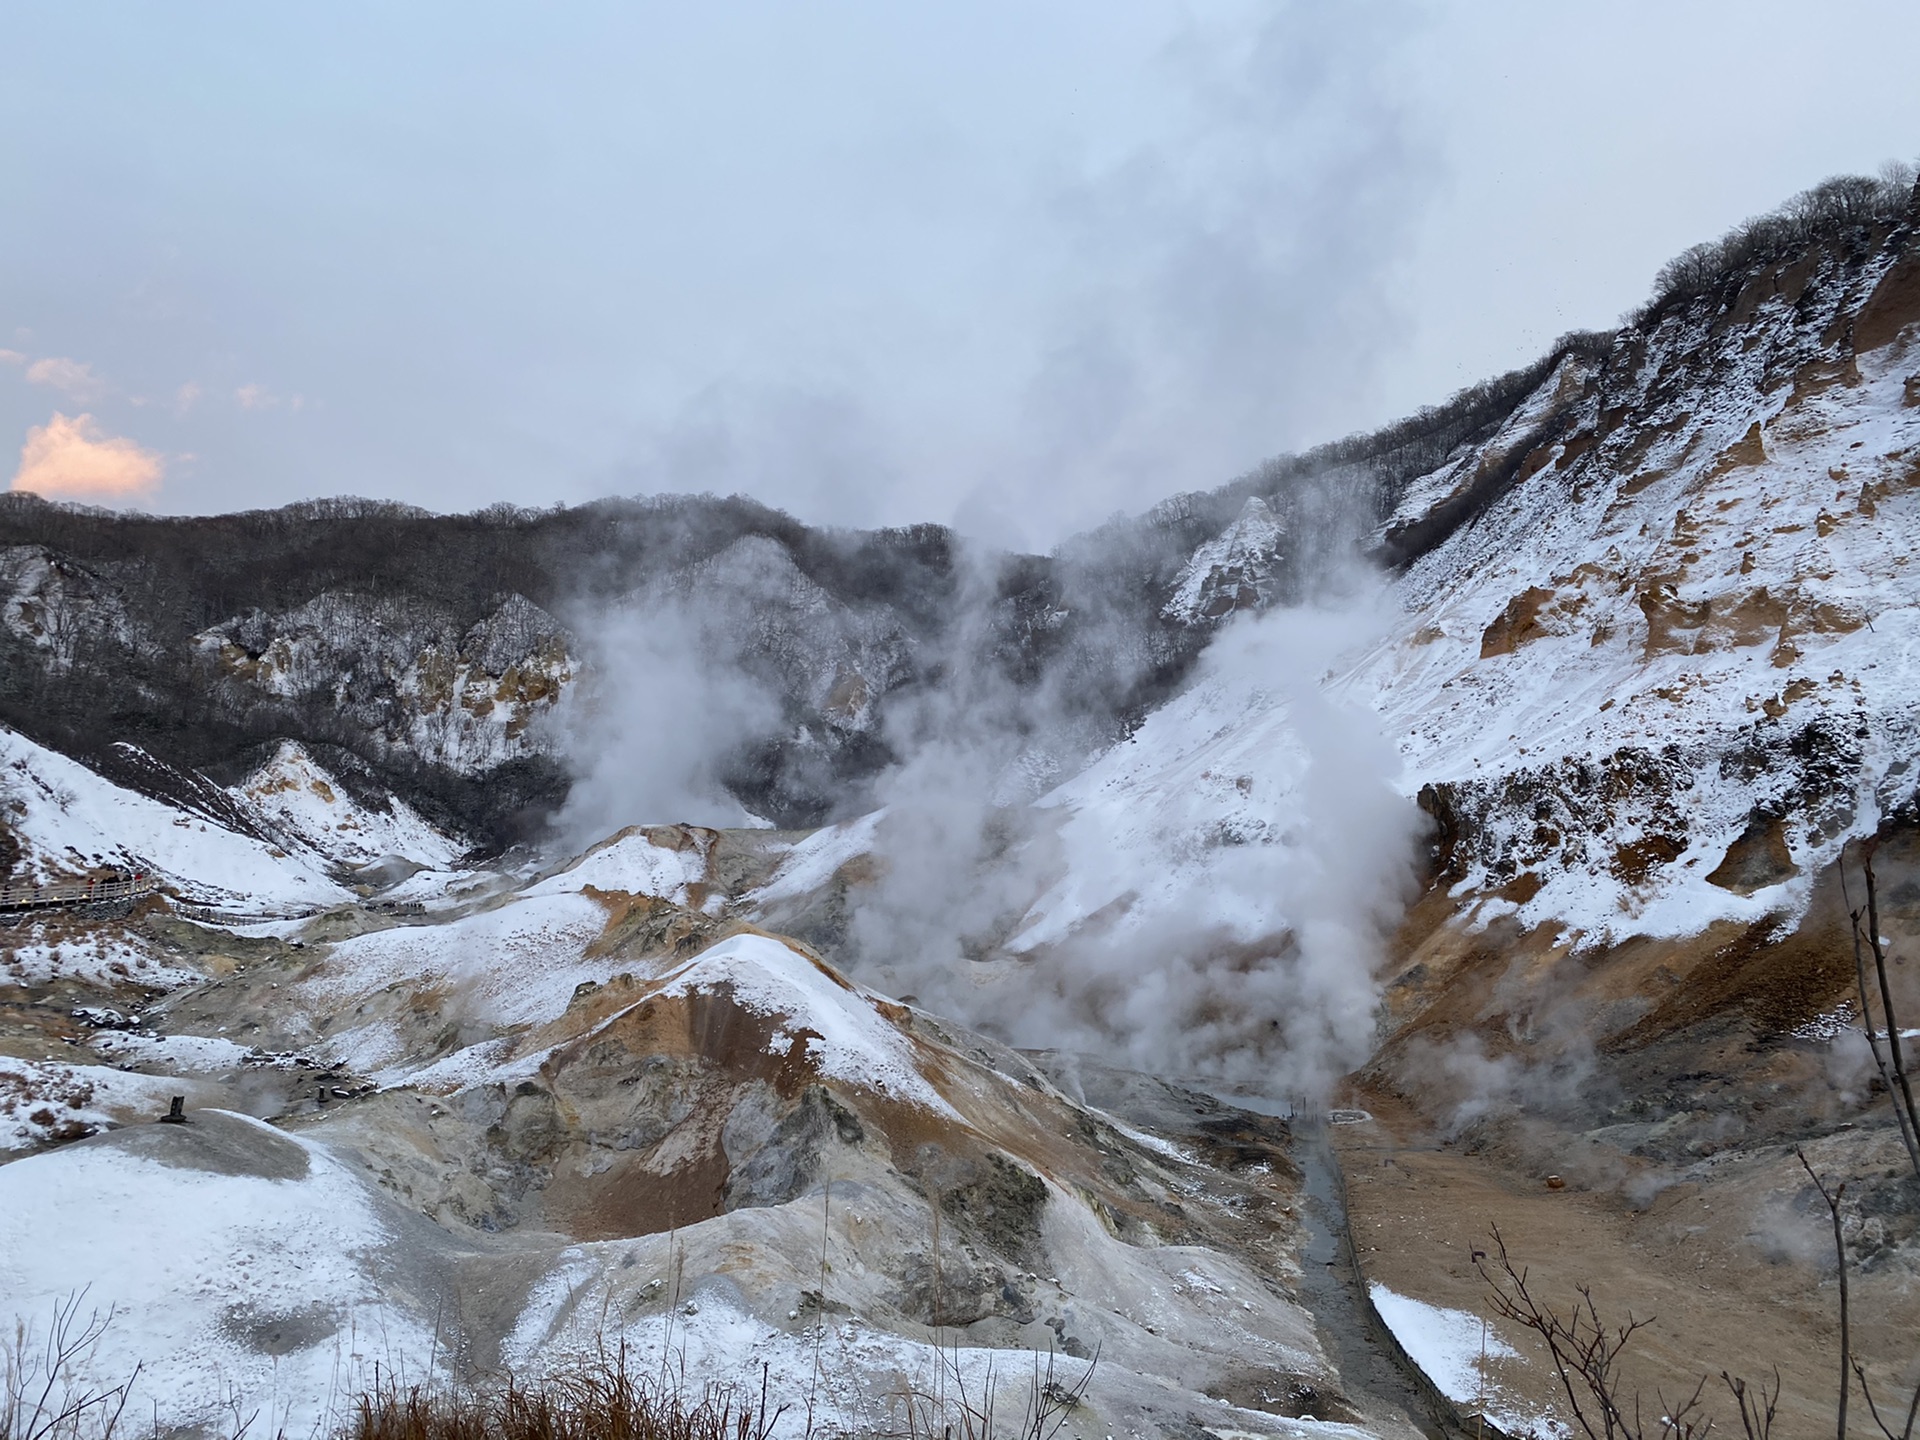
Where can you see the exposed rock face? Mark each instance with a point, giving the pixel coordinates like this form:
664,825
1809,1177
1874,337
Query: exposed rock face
1655,637
402,675
1237,570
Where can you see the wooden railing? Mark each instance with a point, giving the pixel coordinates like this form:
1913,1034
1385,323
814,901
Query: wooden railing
216,915
73,894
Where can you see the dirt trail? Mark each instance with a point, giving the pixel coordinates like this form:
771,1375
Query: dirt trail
1729,1263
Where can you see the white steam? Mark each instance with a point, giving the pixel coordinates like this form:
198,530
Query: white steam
1209,898
663,705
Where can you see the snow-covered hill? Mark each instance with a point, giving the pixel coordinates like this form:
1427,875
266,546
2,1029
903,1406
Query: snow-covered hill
277,842
1659,681
1636,652
67,821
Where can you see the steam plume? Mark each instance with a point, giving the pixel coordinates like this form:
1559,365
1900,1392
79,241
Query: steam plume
665,705
1209,898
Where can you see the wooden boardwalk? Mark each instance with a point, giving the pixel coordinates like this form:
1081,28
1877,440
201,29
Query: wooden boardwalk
73,894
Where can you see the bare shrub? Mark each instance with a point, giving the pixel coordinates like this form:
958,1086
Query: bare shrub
43,1395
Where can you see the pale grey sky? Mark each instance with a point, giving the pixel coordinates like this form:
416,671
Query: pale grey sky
1013,265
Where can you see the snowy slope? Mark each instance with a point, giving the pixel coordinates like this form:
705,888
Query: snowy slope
69,820
1662,642
236,1263
513,966
1655,683
308,806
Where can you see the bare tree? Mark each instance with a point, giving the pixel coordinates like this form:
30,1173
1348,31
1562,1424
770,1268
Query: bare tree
1586,1353
1890,1062
1850,1367
1840,1248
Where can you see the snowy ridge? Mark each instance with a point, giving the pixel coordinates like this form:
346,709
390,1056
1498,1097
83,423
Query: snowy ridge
1656,682
69,820
813,861
832,1021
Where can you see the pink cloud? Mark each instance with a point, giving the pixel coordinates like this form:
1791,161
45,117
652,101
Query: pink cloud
74,459
70,377
12,357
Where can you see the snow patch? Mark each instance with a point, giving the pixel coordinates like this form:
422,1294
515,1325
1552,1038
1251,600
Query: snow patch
53,952
1452,1347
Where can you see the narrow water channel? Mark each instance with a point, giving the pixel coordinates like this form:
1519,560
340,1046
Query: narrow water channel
1375,1375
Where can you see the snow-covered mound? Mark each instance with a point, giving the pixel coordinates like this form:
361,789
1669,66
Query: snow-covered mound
510,967
42,1101
667,862
68,821
839,1029
231,1262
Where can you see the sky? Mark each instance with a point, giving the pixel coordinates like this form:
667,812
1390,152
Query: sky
1008,266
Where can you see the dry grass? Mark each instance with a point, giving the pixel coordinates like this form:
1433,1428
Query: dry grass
955,1411
598,1399
44,1395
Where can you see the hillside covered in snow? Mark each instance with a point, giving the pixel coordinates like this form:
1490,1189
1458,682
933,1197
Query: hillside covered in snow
869,962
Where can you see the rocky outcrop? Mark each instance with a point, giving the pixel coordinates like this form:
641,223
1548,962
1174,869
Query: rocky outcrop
402,675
